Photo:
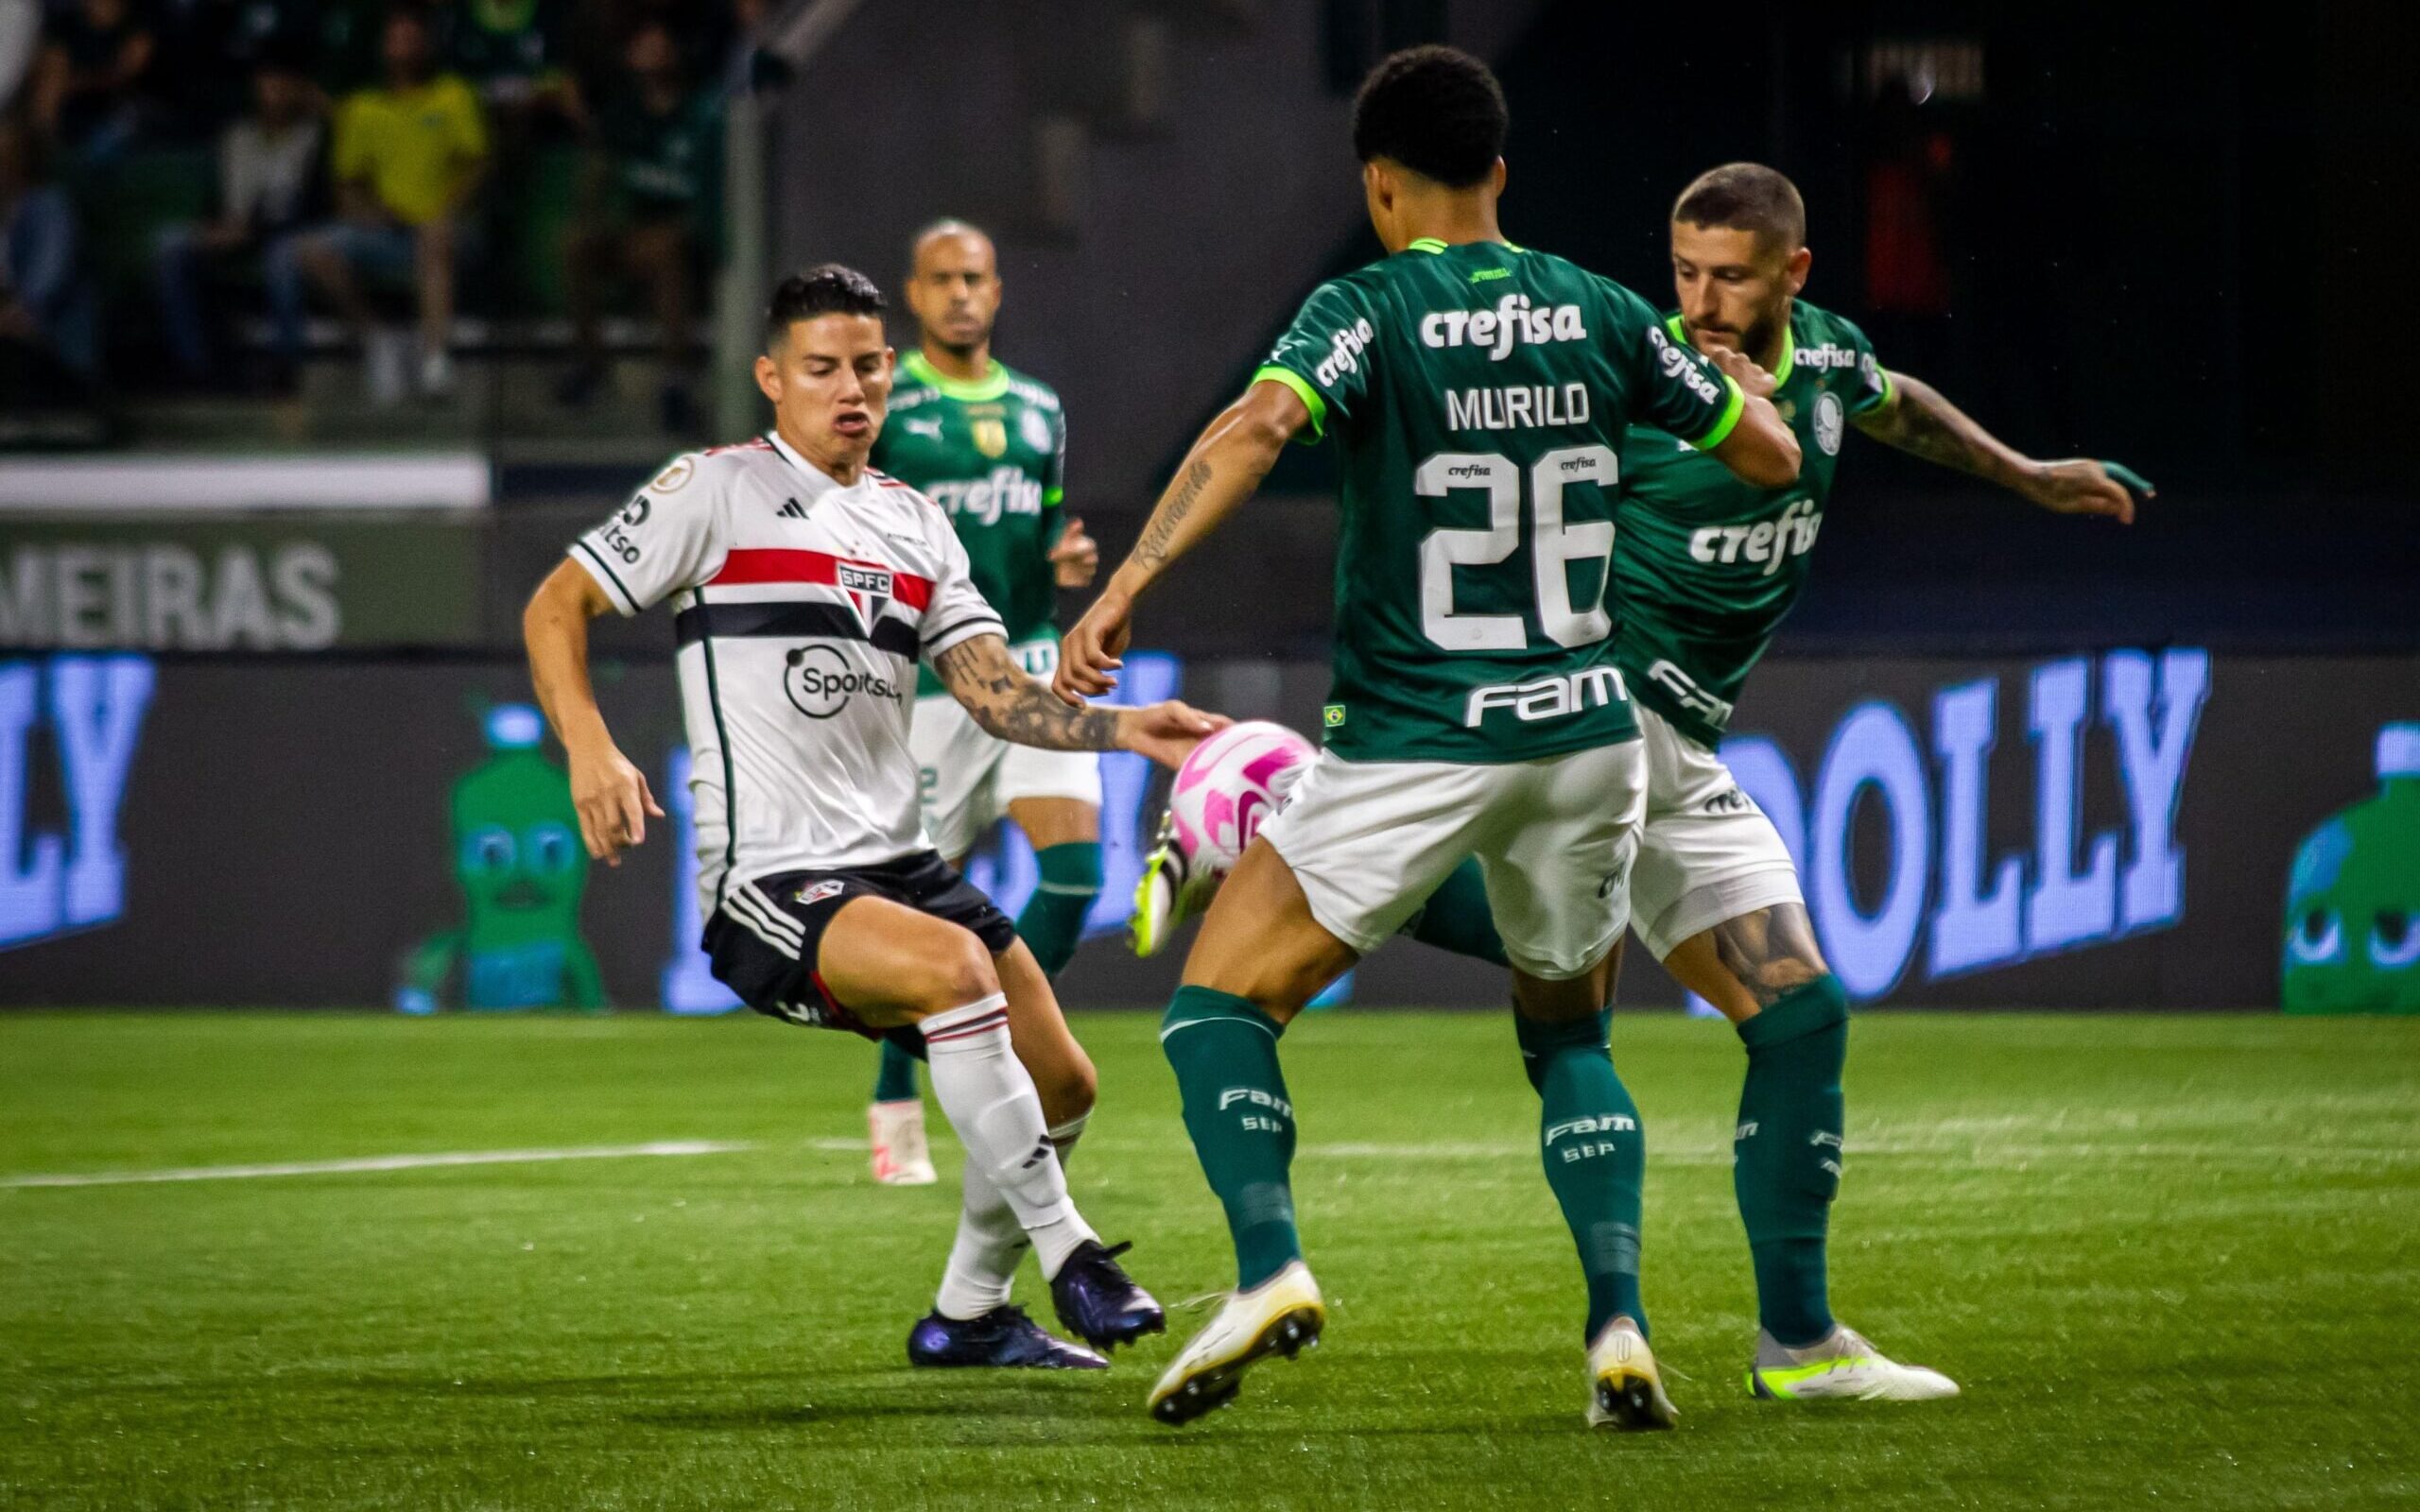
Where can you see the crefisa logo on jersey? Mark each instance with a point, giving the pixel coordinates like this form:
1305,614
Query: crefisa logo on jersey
1344,352
820,682
1514,320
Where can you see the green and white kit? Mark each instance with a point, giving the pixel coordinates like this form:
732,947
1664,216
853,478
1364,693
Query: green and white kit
1705,568
993,453
1479,393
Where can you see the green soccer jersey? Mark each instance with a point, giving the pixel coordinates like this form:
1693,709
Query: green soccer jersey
1479,393
993,453
1706,566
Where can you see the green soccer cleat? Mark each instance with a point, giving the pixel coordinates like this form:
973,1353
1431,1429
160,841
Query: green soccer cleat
1625,1389
1841,1368
1283,1315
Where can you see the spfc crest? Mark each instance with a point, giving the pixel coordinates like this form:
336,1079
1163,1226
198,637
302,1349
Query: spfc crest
869,590
991,436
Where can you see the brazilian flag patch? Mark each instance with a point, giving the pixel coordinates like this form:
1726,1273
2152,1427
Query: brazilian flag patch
1332,715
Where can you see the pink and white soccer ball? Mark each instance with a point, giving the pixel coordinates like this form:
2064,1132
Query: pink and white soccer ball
1231,784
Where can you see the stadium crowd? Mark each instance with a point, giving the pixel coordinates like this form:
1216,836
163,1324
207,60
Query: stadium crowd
183,183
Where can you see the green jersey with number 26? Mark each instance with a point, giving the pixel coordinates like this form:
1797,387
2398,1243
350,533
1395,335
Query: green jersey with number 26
1480,392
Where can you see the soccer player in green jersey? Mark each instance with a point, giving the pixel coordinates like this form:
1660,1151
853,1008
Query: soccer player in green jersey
1478,391
1706,566
988,445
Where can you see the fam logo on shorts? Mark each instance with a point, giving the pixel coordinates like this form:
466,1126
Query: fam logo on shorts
819,681
1828,418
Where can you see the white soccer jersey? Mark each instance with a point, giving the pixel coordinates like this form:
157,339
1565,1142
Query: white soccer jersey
801,608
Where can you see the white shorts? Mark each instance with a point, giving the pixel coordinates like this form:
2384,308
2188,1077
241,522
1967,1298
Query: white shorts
1369,841
1707,854
968,777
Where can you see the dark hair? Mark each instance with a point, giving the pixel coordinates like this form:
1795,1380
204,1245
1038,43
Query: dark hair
1746,197
1437,111
827,288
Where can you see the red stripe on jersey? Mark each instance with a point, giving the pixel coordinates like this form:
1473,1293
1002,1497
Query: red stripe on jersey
779,565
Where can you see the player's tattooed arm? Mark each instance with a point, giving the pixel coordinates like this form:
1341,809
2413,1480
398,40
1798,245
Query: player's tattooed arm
1227,462
1921,422
1011,706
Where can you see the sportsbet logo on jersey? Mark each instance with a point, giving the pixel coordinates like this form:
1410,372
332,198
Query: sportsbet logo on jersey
820,683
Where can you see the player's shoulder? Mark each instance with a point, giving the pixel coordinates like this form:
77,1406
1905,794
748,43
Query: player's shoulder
1032,389
1812,326
905,497
714,469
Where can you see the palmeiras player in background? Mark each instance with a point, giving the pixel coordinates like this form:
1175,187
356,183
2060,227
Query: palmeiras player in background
988,445
1706,567
806,588
1477,391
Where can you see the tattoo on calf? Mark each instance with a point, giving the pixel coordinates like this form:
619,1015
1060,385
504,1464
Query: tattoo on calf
1013,706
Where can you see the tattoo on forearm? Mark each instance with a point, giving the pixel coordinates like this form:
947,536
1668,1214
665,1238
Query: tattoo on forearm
1926,424
1159,532
1013,706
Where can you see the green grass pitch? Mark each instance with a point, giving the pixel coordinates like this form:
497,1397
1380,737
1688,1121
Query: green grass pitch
2174,1262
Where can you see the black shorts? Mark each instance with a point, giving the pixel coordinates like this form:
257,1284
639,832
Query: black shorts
765,939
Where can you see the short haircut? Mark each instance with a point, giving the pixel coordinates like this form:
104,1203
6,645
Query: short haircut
827,288
947,225
1437,111
1746,197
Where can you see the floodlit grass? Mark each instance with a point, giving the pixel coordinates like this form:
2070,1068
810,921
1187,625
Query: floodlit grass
2174,1261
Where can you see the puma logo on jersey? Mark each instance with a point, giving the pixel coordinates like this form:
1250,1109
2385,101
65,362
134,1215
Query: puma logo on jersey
929,429
1514,320
1770,542
1553,697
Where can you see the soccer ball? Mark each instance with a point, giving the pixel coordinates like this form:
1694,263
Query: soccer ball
1231,784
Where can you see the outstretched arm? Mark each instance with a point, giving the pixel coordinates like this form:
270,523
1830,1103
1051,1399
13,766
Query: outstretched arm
607,790
980,674
1921,422
1227,462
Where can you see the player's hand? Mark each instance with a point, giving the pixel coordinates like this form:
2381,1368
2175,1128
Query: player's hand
614,803
1089,653
1742,369
2079,484
1166,733
1077,555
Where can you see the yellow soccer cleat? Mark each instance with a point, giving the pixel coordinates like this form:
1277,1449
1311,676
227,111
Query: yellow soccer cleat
1283,1315
1168,894
1625,1390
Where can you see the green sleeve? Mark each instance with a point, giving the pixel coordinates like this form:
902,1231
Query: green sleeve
1326,354
1671,386
1054,473
1873,386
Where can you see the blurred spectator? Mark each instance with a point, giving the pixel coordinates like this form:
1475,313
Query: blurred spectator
269,175
49,325
89,86
650,212
20,44
514,52
209,50
408,156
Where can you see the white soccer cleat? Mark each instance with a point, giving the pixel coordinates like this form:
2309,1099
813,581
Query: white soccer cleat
1283,1315
896,1133
1841,1368
1625,1390
1170,893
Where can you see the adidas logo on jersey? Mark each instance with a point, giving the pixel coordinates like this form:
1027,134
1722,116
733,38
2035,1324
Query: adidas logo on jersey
791,510
1514,320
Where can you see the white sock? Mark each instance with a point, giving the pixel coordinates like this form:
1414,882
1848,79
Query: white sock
990,1101
985,1257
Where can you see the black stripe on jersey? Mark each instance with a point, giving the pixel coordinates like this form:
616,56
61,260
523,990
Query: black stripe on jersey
793,620
955,626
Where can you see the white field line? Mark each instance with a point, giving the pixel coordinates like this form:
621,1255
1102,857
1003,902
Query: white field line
380,1163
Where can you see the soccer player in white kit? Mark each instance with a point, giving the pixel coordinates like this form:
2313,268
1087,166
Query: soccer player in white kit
805,587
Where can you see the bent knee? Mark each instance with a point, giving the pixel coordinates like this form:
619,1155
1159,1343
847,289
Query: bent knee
958,974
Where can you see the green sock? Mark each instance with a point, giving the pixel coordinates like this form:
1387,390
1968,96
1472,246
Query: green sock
1235,1109
1052,921
894,1080
1596,1156
1455,917
1785,1166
